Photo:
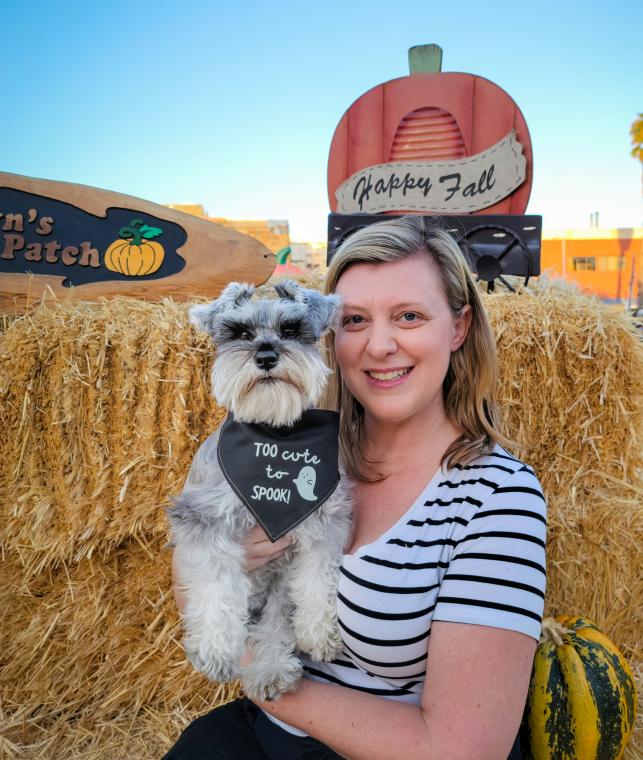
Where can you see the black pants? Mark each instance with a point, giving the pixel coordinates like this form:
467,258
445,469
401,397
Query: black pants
240,731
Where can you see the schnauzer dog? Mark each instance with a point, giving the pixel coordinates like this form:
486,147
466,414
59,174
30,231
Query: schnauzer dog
268,373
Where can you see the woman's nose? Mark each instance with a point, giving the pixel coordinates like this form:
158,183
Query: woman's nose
381,340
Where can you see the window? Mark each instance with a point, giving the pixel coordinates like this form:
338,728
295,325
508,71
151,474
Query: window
583,263
610,263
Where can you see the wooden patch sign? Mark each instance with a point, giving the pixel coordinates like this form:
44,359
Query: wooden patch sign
83,243
44,236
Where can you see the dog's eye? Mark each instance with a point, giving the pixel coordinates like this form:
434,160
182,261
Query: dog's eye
231,329
290,330
240,332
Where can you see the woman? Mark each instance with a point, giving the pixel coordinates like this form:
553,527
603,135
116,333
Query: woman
441,591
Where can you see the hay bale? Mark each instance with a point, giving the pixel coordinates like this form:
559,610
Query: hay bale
94,641
103,407
571,386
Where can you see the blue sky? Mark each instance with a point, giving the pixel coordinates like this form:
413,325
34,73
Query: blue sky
233,105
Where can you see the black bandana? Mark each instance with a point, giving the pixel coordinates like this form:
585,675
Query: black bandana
282,474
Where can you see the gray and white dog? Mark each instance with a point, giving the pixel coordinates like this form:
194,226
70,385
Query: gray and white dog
268,369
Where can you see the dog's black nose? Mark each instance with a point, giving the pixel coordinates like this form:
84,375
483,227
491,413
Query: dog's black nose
266,357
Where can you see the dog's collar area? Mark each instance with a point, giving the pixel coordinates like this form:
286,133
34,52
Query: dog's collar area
281,474
310,420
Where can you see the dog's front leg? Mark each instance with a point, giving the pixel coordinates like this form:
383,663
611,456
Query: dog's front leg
312,578
215,617
275,668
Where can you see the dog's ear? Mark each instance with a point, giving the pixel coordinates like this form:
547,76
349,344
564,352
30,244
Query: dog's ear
321,310
290,291
235,294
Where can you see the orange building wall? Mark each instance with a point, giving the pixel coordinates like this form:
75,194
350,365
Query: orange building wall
274,234
196,209
559,249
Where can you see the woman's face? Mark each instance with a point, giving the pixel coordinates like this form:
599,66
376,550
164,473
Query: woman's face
395,338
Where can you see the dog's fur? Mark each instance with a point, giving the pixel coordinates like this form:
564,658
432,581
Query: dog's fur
289,604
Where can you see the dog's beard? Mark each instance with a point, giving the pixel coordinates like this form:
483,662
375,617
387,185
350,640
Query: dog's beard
277,397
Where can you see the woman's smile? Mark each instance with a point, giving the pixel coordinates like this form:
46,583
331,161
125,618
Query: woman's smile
387,378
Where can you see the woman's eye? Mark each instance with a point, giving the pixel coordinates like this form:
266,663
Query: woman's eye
352,320
411,319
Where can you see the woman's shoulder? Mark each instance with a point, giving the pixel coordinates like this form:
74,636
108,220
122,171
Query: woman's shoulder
499,469
495,457
503,460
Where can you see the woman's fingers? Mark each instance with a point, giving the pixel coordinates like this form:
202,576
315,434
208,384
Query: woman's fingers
256,535
259,541
260,549
281,545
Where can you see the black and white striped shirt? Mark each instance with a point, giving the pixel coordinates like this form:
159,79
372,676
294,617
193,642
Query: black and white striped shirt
471,549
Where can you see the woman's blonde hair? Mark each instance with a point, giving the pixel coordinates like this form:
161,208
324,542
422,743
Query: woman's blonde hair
470,383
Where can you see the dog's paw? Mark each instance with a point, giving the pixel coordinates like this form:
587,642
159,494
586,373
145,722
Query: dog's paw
320,639
216,669
260,684
322,648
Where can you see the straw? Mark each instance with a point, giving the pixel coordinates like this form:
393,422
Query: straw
102,407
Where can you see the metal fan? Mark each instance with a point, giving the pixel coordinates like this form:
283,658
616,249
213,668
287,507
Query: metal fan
492,251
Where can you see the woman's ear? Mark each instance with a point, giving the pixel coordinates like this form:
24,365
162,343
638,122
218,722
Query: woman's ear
461,327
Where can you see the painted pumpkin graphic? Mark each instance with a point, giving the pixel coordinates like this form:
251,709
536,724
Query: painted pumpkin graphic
135,254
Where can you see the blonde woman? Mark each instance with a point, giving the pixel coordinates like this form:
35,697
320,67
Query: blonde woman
441,590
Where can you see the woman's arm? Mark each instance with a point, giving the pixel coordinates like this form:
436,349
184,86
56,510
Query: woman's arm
473,699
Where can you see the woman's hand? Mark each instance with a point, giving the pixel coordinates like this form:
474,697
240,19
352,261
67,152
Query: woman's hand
260,549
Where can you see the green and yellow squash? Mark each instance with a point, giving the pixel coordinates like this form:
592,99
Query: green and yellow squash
582,697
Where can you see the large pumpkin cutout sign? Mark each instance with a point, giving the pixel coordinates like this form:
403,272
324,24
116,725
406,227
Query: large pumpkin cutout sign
431,142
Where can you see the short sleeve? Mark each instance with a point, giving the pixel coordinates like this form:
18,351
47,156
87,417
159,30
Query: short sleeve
496,575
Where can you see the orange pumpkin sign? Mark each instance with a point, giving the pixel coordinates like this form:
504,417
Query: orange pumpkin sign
135,254
431,142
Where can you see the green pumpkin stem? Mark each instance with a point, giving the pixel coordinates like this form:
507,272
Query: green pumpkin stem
132,231
136,231
425,59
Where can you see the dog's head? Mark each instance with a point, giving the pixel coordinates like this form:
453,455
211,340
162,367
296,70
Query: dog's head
268,366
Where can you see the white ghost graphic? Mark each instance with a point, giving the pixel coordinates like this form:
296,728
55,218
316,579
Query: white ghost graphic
305,483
